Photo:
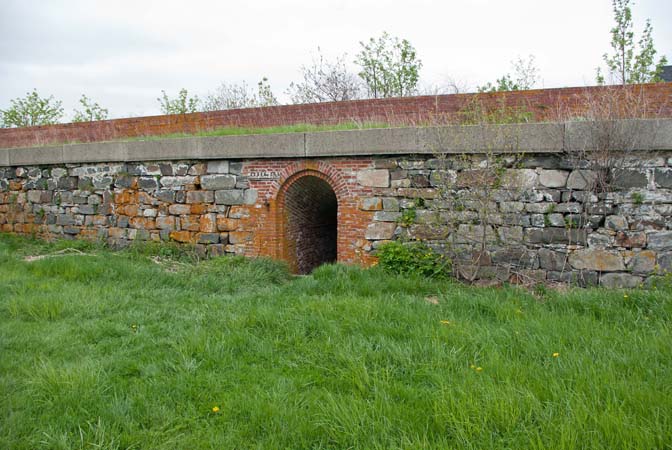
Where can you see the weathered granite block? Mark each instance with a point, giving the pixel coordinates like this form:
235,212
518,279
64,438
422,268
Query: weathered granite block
596,259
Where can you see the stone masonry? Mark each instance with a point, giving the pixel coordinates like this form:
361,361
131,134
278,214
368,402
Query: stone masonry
539,216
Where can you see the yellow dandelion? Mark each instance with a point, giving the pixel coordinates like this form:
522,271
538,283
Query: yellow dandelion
625,296
215,409
479,369
556,354
471,366
445,322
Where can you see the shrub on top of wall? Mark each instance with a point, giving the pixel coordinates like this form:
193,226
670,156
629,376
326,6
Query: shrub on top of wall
413,258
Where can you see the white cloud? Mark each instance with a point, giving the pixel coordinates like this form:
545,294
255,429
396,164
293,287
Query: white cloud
123,53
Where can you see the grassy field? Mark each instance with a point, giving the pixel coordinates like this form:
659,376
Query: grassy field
141,349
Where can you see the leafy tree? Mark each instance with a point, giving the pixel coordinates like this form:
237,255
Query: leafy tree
234,96
389,67
325,81
92,111
630,63
31,111
525,75
183,104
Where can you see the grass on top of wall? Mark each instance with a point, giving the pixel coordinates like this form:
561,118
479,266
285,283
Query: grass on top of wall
151,349
297,128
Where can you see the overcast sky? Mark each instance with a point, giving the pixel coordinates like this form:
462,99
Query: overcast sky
123,53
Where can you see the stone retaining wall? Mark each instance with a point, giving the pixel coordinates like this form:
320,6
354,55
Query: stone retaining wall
509,215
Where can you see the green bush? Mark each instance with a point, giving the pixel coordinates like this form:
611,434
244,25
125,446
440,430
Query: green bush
413,258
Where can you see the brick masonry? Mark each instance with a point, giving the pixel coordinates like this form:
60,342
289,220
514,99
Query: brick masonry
542,104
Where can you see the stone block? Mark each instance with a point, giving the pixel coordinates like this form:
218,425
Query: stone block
385,163
69,229
235,167
239,212
198,169
631,239
180,236
207,238
374,178
642,262
665,262
520,179
620,280
230,197
34,196
176,182
413,164
629,178
600,240
208,223
581,180
250,196
179,209
148,183
552,260
402,183
596,259
371,203
583,278
470,234
86,209
142,223
510,234
616,223
515,257
227,224
663,177
419,181
380,231
569,207
386,216
125,181
540,208
200,197
216,250
555,236
217,182
661,240
541,161
426,194
443,178
167,196
511,207
165,222
67,183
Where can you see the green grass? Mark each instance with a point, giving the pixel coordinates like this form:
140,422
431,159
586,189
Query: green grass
237,131
115,351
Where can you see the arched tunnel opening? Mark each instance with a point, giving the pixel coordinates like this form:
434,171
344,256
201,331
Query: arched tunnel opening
311,221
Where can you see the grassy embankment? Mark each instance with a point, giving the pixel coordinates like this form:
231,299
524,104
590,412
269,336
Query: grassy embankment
112,350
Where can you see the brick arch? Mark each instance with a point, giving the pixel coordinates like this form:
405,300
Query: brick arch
307,219
267,216
319,169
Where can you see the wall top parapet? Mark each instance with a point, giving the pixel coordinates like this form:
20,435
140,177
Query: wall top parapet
635,134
